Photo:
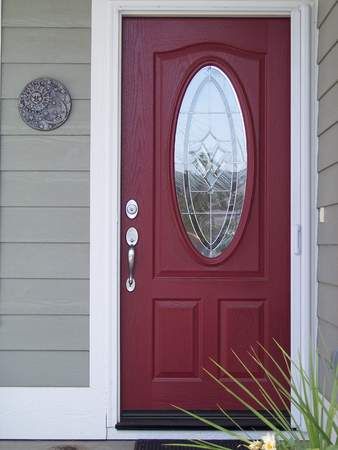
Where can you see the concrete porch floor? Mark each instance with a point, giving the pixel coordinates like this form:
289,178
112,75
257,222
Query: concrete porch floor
67,445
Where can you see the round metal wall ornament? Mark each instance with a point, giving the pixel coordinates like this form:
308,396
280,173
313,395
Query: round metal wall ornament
44,104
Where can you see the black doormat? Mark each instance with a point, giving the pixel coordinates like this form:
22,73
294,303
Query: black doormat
154,444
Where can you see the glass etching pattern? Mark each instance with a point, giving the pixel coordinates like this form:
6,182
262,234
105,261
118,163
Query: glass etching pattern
210,161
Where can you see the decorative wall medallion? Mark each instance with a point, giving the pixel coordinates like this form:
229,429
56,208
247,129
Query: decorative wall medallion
44,104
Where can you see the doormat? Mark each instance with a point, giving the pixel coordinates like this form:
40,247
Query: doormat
154,444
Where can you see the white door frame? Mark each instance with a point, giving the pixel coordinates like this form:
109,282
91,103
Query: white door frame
106,150
91,413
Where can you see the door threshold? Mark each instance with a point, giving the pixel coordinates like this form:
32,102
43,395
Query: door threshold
165,420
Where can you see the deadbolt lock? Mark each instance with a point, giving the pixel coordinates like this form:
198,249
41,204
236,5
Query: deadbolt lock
132,209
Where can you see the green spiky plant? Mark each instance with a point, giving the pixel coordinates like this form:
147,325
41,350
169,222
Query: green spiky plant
301,390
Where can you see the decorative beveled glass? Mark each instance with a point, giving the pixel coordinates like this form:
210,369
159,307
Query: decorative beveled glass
210,161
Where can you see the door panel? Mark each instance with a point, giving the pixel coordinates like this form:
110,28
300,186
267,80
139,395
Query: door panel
181,318
186,307
168,259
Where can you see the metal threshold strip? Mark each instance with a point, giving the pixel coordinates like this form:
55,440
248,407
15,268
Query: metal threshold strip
162,420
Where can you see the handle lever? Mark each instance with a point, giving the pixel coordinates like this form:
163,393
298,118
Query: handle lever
131,262
131,238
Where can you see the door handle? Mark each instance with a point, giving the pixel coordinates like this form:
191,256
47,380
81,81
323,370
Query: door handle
131,238
131,262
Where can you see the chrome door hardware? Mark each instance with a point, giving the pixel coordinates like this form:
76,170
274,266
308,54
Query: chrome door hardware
298,240
132,209
130,283
131,238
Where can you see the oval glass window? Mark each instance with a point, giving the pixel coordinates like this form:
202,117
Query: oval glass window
210,161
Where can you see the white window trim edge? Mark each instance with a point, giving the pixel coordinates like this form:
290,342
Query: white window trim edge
91,413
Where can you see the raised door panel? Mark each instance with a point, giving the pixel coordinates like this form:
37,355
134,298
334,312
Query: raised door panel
177,336
174,70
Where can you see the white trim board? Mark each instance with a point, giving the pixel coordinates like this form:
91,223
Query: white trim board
91,413
302,14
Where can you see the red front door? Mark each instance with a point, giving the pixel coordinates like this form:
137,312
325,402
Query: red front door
206,157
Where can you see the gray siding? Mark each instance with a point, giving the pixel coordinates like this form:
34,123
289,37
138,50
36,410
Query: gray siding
44,196
328,186
44,200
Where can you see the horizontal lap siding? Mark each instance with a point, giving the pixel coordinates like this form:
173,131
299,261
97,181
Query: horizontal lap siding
40,152
328,111
64,333
44,368
327,233
44,200
46,189
52,225
45,45
328,188
77,124
44,260
324,9
44,296
328,264
328,305
42,13
327,77
328,32
328,148
75,76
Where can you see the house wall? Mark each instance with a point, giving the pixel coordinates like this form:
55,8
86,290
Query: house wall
44,196
328,185
44,199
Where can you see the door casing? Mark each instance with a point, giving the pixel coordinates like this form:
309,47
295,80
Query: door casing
105,170
91,412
